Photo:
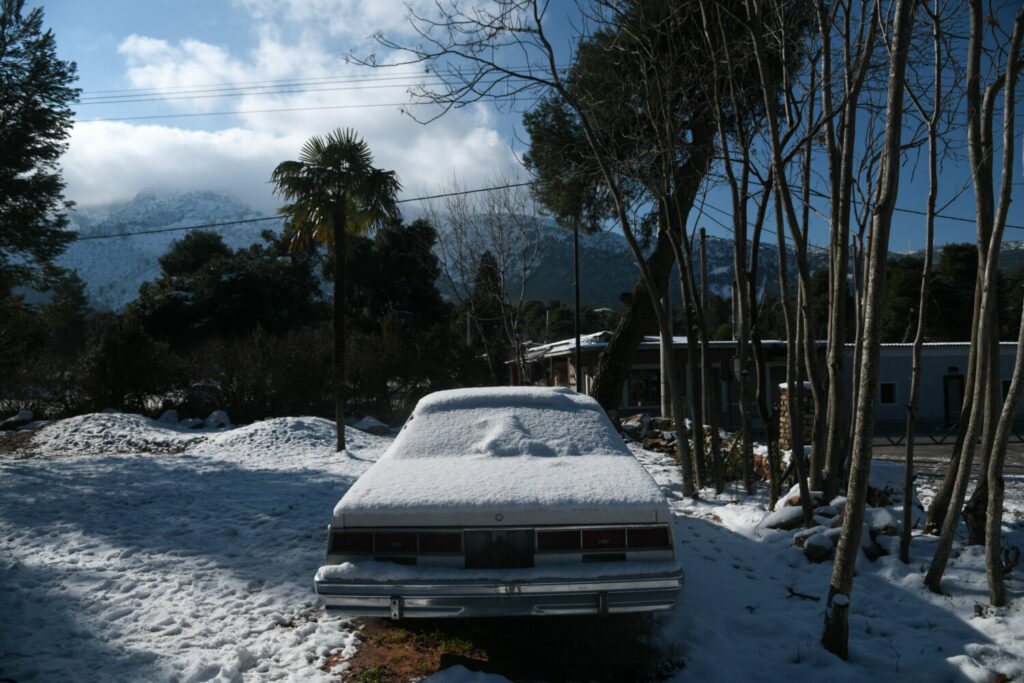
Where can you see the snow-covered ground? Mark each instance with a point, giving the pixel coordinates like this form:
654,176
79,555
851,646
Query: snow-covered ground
739,618
136,550
191,563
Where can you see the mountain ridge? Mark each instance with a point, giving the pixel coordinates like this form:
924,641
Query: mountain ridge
114,268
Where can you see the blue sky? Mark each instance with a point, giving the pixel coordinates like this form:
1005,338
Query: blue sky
137,47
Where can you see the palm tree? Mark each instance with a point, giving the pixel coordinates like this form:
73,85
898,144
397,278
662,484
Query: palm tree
333,189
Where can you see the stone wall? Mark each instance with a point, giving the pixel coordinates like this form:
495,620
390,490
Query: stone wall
808,416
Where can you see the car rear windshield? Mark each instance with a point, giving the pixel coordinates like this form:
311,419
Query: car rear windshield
506,432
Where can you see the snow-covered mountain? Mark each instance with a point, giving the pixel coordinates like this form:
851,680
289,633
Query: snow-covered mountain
114,267
607,267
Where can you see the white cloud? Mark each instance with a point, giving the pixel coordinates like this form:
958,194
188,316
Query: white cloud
112,161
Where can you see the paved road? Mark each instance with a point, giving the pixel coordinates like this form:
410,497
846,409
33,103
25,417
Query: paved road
933,458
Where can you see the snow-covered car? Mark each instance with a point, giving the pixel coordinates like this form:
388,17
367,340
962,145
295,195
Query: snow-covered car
502,501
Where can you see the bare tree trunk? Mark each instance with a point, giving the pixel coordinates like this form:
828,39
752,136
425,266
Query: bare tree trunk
994,475
840,146
712,400
994,525
771,433
975,509
835,637
793,383
926,276
638,318
690,315
991,223
941,502
614,362
784,197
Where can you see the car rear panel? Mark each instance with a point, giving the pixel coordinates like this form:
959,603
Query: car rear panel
492,571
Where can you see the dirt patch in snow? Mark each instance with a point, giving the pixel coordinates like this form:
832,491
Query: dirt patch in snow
15,444
611,648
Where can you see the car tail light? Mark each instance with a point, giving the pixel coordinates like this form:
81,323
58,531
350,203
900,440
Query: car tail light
564,540
394,542
604,539
442,543
351,542
648,538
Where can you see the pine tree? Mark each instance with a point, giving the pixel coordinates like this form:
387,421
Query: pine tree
35,120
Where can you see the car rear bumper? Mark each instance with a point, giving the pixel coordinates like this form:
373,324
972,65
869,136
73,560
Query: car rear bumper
495,598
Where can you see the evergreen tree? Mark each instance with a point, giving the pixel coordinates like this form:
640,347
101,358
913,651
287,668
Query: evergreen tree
208,290
953,293
487,310
35,120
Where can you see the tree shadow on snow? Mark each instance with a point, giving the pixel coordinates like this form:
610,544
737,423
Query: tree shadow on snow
78,530
764,602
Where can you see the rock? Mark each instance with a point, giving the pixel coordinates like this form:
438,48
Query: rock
818,548
372,425
656,444
169,417
839,503
20,420
786,518
885,486
637,425
216,420
826,511
800,537
882,521
192,423
793,497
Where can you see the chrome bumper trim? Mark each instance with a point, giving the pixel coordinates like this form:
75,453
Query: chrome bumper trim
479,598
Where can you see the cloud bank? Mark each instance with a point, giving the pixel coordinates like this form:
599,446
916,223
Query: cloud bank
306,41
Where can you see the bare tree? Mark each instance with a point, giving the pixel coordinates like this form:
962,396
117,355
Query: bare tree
991,222
855,30
505,223
467,49
836,632
932,121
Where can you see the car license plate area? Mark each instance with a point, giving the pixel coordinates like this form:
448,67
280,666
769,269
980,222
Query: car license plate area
499,549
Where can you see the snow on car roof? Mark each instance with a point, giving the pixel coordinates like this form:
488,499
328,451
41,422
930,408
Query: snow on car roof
523,450
507,421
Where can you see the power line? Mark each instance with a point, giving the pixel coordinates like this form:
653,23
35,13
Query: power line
287,109
96,96
209,87
252,111
256,91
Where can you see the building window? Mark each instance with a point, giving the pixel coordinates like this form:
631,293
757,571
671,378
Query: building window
887,393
